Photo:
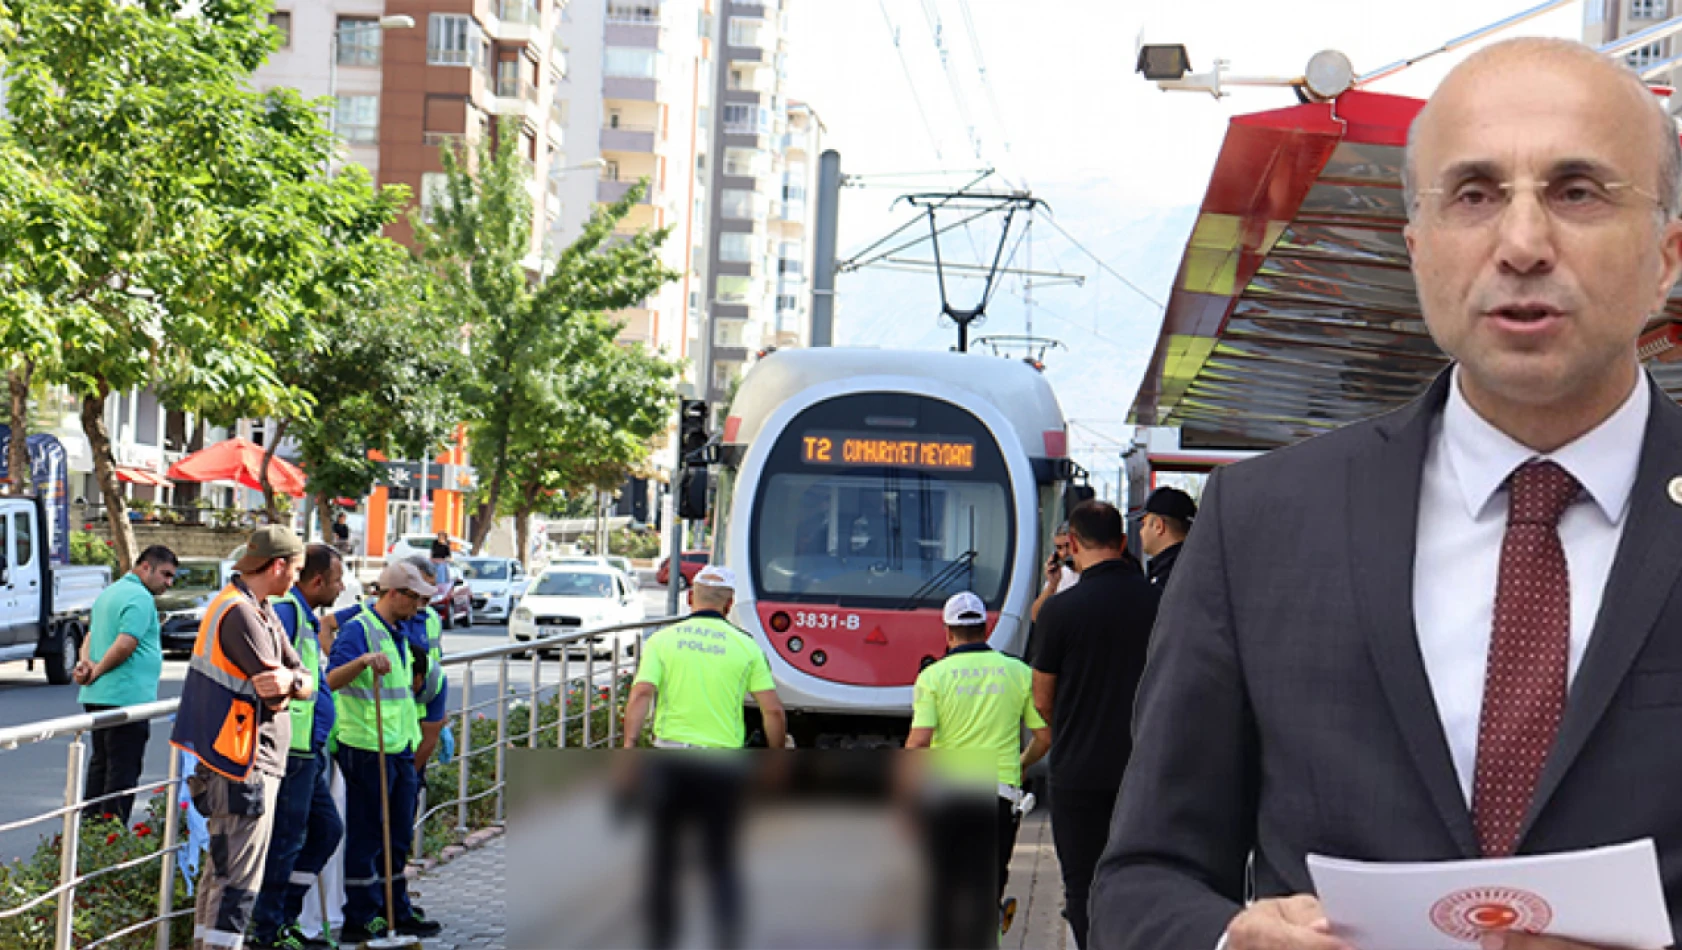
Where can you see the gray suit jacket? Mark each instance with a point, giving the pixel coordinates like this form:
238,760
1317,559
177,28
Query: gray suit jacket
1285,708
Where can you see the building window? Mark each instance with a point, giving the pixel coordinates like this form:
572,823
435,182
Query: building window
737,203
639,14
358,119
631,63
733,289
359,41
433,193
1648,9
744,161
746,32
786,266
742,118
1646,56
735,247
787,302
282,21
610,170
451,40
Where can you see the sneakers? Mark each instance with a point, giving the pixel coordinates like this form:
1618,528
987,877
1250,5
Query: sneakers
290,937
362,933
419,926
1007,914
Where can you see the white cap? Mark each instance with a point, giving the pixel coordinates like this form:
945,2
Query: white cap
964,609
716,575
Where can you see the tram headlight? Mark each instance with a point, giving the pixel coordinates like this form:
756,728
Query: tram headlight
795,644
819,658
780,622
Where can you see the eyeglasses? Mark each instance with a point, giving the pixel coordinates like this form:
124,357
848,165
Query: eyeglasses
1578,199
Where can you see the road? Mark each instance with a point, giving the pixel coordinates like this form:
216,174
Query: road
35,774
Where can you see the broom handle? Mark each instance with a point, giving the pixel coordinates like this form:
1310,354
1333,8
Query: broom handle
385,807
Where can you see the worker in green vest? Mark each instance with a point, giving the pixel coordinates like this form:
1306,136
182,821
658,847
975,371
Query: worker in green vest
975,699
307,827
370,654
425,631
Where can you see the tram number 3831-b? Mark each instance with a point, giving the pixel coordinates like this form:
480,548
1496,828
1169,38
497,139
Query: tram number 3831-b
811,620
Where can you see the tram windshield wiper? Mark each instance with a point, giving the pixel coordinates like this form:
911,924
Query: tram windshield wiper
947,573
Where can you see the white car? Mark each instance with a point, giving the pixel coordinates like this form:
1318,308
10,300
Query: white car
410,545
497,584
570,597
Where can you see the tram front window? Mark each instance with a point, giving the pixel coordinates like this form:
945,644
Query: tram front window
889,538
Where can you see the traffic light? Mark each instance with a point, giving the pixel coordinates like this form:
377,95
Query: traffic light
692,494
692,426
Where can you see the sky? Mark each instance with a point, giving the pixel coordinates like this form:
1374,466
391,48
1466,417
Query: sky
1121,164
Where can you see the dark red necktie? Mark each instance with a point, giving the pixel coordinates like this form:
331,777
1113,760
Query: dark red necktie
1529,648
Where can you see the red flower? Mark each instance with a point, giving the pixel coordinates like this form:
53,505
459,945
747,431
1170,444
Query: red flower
183,806
112,838
142,830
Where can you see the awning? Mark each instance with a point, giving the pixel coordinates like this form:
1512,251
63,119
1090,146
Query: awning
1294,310
140,476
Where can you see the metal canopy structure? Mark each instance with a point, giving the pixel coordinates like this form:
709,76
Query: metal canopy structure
1294,310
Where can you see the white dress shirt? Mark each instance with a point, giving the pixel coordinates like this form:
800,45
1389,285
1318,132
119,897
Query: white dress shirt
1462,521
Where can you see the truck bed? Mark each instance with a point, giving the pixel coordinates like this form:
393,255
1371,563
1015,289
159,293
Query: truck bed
75,588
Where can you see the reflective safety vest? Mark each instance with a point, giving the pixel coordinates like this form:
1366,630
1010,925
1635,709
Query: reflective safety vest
220,710
434,660
309,649
357,723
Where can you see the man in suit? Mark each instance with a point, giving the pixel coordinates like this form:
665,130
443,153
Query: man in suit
1474,645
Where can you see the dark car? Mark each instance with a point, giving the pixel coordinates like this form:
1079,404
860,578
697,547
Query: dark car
181,608
455,602
693,561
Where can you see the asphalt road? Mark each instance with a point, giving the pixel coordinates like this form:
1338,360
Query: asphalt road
33,776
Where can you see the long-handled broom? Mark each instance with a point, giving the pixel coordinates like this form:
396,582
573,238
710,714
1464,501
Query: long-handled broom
392,939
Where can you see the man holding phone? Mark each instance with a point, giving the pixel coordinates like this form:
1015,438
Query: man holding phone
1060,573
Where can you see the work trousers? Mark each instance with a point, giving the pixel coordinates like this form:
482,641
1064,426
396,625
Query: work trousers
687,793
969,842
119,755
364,847
1080,827
240,818
307,829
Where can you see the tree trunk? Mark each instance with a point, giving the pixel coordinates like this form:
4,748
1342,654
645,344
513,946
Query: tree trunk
105,472
309,516
522,533
18,458
269,507
324,513
487,514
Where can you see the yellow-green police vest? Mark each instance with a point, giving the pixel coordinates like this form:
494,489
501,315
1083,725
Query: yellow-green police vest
434,660
309,650
357,723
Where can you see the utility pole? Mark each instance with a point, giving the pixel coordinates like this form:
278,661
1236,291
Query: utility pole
823,265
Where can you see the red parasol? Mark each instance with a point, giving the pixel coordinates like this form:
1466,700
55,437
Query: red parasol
239,460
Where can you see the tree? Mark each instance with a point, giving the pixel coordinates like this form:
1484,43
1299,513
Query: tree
386,381
479,243
206,220
593,415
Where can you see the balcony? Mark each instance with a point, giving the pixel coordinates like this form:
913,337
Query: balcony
517,21
608,191
633,33
730,354
514,95
747,9
631,89
556,132
628,138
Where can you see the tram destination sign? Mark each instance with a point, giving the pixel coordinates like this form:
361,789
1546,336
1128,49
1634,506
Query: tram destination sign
934,453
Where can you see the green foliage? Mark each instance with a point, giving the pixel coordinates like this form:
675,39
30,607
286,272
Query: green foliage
90,548
634,544
104,905
537,345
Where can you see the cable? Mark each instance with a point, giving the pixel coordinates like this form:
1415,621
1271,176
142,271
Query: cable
933,16
1100,262
986,83
893,32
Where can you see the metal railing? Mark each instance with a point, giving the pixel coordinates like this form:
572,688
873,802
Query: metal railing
593,683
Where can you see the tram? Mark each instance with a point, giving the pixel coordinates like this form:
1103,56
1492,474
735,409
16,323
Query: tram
858,489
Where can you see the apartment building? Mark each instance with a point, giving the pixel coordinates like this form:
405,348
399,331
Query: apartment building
1607,20
764,183
410,76
632,99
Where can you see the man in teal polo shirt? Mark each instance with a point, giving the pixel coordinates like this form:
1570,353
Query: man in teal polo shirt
122,660
977,699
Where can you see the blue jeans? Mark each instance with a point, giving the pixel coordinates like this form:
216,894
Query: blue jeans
364,859
306,831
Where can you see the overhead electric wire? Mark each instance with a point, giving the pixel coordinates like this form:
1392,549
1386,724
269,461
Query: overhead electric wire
910,84
935,32
986,82
1100,262
850,264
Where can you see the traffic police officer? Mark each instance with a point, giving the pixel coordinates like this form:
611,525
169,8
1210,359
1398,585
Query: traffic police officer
701,669
307,824
977,699
370,654
233,717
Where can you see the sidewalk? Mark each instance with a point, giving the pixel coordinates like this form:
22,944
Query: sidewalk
467,895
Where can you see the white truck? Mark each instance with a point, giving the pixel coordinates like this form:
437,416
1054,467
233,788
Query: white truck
44,607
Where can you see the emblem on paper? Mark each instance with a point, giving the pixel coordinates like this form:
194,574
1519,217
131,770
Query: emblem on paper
1469,914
